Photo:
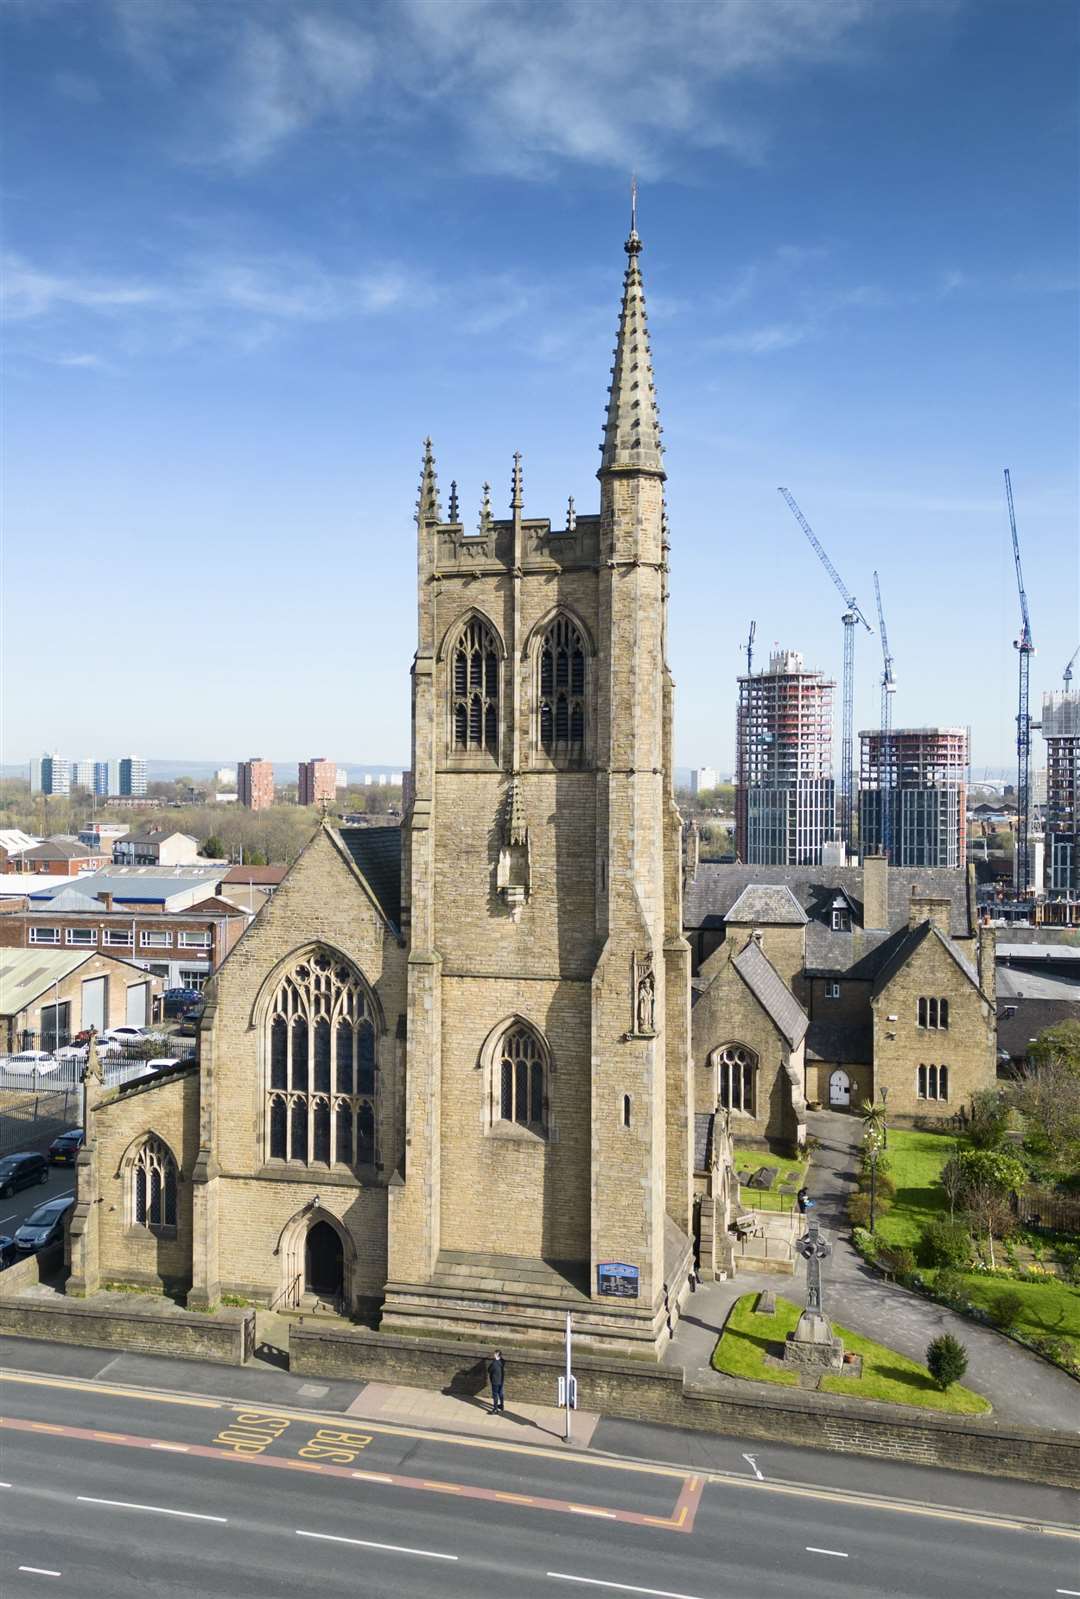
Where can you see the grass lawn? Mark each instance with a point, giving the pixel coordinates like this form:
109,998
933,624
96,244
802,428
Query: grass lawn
915,1160
1051,1309
887,1376
748,1161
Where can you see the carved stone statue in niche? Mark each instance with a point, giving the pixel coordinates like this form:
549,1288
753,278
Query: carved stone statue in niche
644,1019
513,875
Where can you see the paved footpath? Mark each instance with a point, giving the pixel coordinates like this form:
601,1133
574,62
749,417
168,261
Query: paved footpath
1022,1388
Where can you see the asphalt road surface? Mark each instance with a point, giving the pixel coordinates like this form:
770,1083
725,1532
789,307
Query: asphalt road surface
14,1211
110,1489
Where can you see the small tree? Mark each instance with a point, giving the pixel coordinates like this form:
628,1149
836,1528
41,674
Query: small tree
214,847
1007,1309
989,1119
952,1180
946,1360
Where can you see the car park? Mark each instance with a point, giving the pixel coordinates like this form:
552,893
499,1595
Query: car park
123,1034
21,1170
64,1150
44,1226
28,1061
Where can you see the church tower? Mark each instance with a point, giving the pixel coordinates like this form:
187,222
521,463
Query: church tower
547,1161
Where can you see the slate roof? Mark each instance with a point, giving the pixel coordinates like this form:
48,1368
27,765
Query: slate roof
703,1130
771,992
377,853
1013,983
58,850
717,888
768,903
840,1043
1028,1019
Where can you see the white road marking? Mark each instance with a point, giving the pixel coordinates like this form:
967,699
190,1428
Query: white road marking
159,1510
3,1219
366,1543
5,1485
180,1449
622,1587
587,1510
752,1463
372,1476
1074,1591
839,1553
40,1571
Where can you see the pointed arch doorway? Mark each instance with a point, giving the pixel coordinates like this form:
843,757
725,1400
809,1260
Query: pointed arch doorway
324,1262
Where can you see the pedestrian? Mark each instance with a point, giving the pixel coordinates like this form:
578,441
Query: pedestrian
802,1199
496,1373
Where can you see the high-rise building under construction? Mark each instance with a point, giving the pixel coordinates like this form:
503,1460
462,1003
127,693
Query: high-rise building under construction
785,793
1061,730
913,795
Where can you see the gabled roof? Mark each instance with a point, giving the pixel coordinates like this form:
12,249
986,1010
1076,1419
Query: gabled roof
771,992
770,904
68,899
840,1043
905,948
215,905
256,876
59,850
1021,1020
376,852
26,973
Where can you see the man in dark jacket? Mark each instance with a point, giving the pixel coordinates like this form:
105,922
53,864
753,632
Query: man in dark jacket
496,1373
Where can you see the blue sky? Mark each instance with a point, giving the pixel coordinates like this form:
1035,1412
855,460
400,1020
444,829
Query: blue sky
256,250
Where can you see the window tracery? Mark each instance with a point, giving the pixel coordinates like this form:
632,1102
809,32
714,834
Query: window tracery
320,1099
474,689
153,1187
519,1087
561,690
736,1078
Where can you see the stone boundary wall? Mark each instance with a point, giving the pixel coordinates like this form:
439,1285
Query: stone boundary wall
185,1335
711,1403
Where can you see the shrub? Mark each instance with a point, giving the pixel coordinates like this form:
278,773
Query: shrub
950,1286
865,1242
859,1209
1006,1309
884,1164
884,1184
946,1243
898,1259
946,1360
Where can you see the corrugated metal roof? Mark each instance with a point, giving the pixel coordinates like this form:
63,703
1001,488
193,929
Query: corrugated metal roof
771,992
26,973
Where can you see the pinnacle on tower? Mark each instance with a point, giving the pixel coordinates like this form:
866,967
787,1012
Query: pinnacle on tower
485,509
428,508
454,508
632,432
516,483
571,515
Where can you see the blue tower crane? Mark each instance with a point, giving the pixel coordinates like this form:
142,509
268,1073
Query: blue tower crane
888,689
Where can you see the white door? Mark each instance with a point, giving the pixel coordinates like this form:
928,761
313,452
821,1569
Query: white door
839,1089
136,1005
93,1003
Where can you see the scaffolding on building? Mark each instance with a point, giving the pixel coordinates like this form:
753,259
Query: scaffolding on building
785,797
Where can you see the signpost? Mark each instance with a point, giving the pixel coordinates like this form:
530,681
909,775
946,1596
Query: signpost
568,1384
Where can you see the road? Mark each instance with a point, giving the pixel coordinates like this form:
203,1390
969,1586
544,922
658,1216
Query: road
110,1488
14,1211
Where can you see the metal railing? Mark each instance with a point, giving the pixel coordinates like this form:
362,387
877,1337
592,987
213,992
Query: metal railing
33,1117
289,1297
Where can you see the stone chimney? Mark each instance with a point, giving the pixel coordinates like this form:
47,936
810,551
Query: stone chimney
875,891
106,900
929,908
987,938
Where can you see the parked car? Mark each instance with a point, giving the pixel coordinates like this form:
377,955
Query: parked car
189,1027
64,1151
8,1252
28,1061
123,1034
20,1171
177,1000
45,1226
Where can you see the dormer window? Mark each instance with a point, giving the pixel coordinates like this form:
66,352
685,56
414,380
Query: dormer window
841,919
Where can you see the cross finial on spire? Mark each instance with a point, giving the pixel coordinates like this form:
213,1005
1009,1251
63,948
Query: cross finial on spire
571,515
453,502
633,243
515,483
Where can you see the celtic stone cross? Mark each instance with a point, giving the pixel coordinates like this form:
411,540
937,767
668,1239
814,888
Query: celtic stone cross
814,1249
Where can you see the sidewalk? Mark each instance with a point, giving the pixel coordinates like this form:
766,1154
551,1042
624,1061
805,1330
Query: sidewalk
462,1413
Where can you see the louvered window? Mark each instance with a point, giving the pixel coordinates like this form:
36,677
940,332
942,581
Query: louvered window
561,691
474,679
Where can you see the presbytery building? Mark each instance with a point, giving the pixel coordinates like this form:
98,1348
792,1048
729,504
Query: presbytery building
444,1078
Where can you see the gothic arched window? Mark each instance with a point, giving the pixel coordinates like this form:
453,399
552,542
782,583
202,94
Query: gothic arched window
519,1080
153,1187
474,689
321,1082
561,691
736,1073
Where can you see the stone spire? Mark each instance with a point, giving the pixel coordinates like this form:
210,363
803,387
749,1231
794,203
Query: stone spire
428,508
632,432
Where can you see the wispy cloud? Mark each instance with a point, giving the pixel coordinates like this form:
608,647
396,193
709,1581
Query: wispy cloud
82,359
766,340
519,87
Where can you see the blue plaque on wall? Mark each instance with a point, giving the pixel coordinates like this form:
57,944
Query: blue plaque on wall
615,1277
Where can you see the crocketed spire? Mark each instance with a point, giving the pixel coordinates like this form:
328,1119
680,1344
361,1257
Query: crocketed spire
632,433
428,508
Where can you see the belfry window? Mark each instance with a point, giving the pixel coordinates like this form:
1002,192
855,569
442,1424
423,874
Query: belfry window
321,1078
153,1187
520,1080
474,689
561,690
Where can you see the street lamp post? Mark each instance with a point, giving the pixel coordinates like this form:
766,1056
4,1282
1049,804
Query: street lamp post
884,1123
873,1181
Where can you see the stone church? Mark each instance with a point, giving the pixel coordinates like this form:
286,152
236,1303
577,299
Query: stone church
445,1077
